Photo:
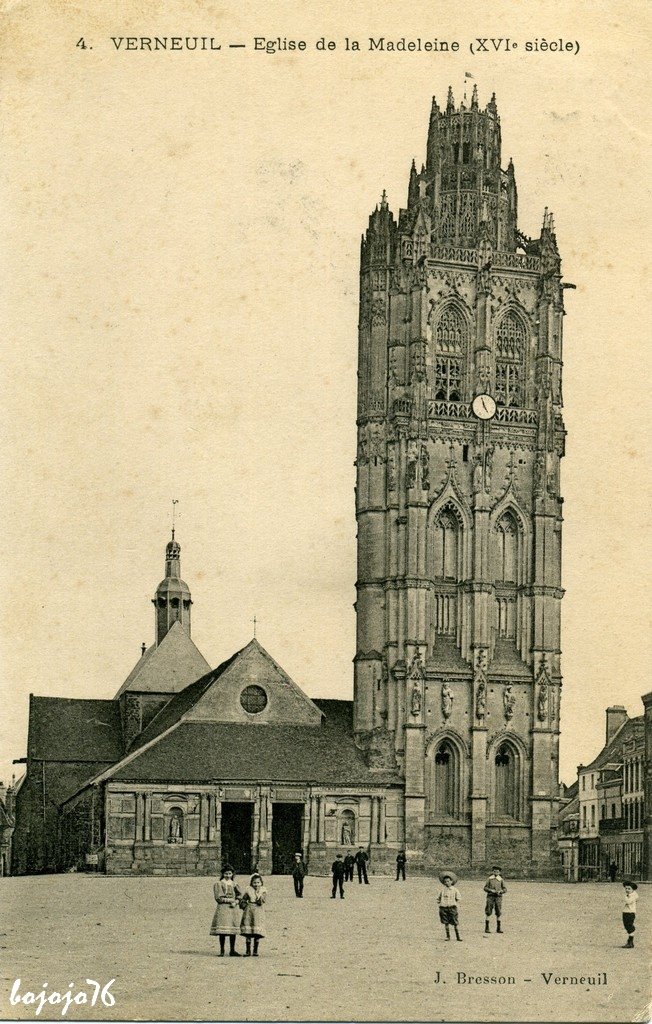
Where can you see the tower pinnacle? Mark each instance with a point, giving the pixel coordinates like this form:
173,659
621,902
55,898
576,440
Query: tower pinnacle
172,601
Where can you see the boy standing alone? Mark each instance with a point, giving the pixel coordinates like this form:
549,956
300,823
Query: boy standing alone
494,888
448,899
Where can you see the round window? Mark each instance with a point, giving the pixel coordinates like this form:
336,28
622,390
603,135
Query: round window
253,699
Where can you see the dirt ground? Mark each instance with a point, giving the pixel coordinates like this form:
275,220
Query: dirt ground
375,955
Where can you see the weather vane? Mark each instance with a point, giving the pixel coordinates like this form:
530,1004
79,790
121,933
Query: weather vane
175,501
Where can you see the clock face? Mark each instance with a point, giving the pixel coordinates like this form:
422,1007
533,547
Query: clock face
484,407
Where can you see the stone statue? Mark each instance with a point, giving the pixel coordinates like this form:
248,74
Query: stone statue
481,700
509,700
488,465
411,464
175,829
391,469
416,699
478,482
543,702
446,700
425,468
347,835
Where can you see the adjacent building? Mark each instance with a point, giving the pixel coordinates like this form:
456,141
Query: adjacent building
613,808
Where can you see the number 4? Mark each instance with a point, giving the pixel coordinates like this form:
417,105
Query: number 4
81,44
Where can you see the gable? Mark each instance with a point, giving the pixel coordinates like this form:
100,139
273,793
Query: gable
274,699
168,668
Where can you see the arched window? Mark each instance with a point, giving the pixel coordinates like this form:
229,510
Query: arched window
507,782
447,546
450,346
507,553
446,781
511,338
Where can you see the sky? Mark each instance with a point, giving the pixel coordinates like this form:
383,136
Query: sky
180,238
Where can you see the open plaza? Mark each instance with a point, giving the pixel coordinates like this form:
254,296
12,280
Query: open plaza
379,954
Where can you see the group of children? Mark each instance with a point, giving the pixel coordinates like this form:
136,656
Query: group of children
239,912
449,898
243,912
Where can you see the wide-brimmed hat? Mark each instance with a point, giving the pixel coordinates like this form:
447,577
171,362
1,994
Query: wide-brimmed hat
632,885
447,874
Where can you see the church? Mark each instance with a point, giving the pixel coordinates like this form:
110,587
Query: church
449,748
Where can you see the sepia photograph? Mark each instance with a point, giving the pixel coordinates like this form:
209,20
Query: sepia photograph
325,410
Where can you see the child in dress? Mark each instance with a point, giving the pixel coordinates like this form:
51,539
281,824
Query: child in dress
448,899
629,912
253,917
226,919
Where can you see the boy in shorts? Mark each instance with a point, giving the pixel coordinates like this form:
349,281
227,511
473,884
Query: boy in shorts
448,899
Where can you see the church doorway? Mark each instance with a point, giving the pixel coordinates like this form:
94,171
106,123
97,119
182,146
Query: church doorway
237,835
286,836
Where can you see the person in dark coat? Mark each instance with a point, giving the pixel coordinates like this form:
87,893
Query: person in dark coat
298,874
400,865
349,862
361,859
613,870
338,876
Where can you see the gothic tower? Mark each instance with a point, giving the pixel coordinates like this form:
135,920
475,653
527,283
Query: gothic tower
460,435
172,602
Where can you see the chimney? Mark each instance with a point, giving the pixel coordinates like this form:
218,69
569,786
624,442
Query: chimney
616,716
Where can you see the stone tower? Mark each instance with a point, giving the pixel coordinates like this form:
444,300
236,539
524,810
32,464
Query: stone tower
460,435
172,602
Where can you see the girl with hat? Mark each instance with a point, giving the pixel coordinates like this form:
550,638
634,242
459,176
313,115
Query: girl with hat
226,920
629,912
448,899
253,918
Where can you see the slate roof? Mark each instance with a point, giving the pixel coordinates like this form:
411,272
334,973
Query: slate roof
64,729
611,751
168,668
203,751
180,704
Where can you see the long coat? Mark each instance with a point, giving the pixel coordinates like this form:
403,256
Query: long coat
226,919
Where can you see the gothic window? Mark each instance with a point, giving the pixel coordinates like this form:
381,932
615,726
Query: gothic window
446,614
507,545
506,618
447,544
507,782
446,783
511,341
450,345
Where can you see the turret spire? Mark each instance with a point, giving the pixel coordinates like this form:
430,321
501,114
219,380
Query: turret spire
172,601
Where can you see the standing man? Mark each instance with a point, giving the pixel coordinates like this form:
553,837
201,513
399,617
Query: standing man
613,869
298,874
494,888
400,865
361,859
338,876
349,861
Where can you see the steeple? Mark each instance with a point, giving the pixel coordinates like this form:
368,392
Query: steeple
172,602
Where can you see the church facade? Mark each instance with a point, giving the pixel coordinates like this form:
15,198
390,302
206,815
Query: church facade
449,748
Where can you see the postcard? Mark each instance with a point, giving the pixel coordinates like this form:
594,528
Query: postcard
326,490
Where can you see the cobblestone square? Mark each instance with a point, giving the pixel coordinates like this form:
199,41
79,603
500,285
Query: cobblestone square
376,955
